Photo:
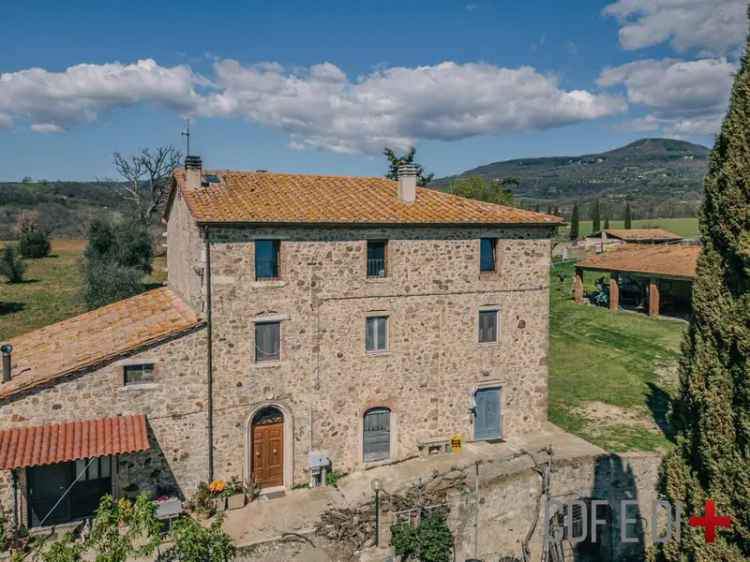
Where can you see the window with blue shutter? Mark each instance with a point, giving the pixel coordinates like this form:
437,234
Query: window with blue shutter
267,259
487,254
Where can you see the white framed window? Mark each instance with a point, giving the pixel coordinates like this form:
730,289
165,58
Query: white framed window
142,373
267,341
376,334
488,326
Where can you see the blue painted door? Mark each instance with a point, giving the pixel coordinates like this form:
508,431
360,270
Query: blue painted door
487,418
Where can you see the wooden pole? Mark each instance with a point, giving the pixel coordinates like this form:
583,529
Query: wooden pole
614,292
578,286
653,298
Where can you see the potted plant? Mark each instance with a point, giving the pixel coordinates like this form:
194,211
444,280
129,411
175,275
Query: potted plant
235,493
202,502
217,488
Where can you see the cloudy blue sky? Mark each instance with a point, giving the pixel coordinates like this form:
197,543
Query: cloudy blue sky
321,87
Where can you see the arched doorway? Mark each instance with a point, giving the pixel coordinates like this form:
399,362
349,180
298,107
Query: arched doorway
376,438
267,455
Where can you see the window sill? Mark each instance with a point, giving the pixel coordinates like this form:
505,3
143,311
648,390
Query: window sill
267,364
384,353
377,279
269,283
367,465
488,343
134,387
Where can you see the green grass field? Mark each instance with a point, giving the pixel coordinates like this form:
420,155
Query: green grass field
612,375
687,228
50,292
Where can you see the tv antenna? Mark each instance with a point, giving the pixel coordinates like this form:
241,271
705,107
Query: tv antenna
186,134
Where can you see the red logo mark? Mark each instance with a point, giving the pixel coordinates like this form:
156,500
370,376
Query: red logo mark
710,521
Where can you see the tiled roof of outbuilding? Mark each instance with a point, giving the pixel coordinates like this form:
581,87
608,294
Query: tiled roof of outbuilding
95,337
263,197
673,260
640,234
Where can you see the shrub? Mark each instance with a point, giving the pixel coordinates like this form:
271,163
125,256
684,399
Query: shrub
105,283
194,543
126,244
33,238
430,541
12,266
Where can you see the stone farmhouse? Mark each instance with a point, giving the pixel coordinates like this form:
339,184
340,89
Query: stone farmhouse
351,318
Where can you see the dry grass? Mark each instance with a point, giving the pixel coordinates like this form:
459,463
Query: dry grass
51,291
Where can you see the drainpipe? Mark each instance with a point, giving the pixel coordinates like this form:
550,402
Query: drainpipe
209,362
16,514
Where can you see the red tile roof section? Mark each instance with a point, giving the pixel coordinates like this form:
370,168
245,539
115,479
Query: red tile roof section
96,337
263,197
640,234
674,260
69,441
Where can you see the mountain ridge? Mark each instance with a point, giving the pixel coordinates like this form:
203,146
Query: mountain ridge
656,175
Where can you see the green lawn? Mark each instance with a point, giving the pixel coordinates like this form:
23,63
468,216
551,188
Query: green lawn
612,375
688,228
51,291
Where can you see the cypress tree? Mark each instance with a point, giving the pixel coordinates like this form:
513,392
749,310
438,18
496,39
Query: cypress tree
628,217
606,222
711,419
574,223
596,217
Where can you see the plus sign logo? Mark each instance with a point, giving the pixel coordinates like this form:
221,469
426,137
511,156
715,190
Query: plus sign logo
710,521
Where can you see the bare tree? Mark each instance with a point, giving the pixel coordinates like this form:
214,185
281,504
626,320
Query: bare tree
146,178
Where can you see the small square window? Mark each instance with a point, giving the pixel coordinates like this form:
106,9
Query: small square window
487,254
376,338
487,326
376,255
267,341
138,374
267,259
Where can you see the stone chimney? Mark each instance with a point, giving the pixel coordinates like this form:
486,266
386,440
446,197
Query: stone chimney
193,172
407,183
6,350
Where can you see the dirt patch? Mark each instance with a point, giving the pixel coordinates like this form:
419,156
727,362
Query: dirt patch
598,412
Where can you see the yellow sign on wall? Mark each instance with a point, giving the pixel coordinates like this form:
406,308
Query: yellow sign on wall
456,443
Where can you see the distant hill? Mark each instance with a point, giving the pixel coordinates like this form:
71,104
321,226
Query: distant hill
64,207
661,177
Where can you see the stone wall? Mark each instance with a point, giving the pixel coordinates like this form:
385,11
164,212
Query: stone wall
174,406
185,254
508,507
325,380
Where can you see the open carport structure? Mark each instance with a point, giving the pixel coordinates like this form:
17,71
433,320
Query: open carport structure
657,278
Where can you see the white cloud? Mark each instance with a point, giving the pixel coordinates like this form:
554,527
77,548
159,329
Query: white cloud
318,106
46,128
53,101
321,107
683,97
710,27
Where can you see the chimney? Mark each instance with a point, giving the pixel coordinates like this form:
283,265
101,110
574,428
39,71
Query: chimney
407,183
6,350
193,172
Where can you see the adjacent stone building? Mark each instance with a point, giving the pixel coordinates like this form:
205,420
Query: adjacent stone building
352,319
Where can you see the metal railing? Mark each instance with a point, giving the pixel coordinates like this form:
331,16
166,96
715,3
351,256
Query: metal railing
376,267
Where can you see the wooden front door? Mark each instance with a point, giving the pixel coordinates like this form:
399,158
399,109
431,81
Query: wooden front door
268,449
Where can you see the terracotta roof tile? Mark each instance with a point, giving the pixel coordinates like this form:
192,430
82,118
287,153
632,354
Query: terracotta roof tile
674,260
640,234
95,337
69,441
263,197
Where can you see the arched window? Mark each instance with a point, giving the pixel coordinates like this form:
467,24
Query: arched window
377,435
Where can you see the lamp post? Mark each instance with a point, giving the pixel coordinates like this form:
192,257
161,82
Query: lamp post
376,486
